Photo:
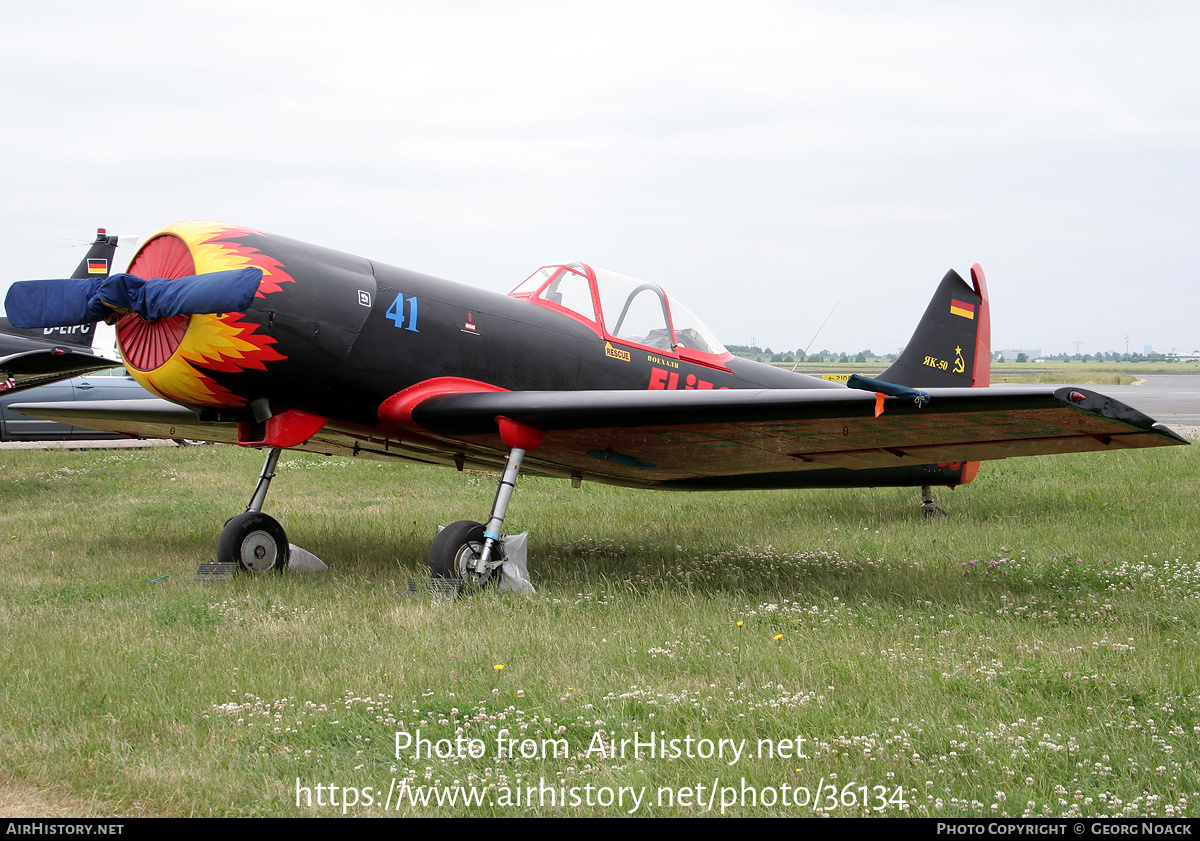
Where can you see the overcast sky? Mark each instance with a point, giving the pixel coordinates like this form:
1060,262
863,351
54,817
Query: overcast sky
760,160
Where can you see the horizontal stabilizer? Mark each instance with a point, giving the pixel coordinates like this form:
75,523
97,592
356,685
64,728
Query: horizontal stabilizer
63,303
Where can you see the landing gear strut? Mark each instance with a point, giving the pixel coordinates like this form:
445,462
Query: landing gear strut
928,507
253,540
470,551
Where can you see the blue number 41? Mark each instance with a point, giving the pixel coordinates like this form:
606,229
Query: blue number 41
396,313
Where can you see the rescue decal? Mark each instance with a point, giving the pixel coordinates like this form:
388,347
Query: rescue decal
617,353
469,326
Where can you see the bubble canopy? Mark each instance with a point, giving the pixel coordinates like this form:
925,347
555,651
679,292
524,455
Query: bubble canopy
623,309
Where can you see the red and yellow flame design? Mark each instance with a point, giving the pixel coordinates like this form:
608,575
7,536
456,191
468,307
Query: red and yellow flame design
172,357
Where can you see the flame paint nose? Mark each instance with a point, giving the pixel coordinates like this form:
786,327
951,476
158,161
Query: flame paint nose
199,358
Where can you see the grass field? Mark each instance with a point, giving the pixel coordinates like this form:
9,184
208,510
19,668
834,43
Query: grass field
1034,653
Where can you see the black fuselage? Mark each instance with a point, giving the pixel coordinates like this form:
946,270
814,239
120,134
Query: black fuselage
336,336
345,357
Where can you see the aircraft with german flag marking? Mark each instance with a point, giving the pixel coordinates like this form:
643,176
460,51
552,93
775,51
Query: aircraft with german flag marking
33,356
578,373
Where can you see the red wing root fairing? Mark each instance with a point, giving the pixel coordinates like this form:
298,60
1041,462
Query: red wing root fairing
578,373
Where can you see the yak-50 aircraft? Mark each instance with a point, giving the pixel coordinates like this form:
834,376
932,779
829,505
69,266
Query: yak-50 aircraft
578,373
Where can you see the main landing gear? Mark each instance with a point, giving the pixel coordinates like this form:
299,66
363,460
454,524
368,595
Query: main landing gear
457,554
471,552
253,540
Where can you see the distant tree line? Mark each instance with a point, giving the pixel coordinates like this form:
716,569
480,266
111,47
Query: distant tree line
867,357
1104,356
759,354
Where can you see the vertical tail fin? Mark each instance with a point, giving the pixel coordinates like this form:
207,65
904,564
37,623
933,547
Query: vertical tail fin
951,347
98,261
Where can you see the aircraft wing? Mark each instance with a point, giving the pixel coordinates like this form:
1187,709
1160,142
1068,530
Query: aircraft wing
771,438
150,417
696,440
40,367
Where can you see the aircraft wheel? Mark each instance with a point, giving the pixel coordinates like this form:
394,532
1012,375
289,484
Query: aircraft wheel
456,546
255,542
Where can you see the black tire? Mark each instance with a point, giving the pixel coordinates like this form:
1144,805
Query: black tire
454,546
255,542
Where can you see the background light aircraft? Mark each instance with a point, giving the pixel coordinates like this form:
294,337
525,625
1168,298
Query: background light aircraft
44,354
39,354
578,373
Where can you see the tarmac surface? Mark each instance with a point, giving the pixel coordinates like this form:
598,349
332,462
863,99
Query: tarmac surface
1171,399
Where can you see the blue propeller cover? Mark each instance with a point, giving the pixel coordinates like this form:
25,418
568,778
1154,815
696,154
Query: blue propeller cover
63,303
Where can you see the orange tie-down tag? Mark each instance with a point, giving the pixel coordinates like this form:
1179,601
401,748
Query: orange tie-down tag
879,395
